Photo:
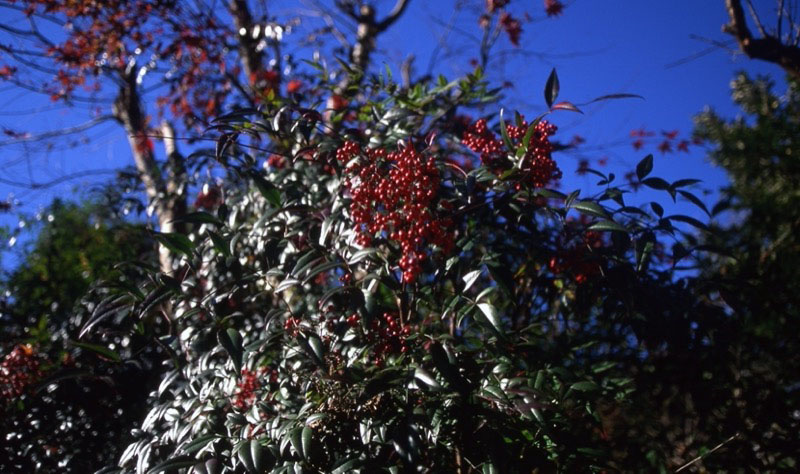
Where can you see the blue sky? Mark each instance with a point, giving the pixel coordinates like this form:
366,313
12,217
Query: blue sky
642,47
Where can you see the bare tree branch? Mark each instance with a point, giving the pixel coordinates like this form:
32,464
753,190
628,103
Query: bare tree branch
248,45
58,133
396,12
59,180
767,48
754,14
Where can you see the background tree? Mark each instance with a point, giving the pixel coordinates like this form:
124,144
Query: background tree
78,422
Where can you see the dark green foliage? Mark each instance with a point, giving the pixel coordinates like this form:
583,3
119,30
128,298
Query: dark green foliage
77,415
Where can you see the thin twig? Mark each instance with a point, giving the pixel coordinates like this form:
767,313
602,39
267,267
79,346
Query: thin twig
699,458
757,19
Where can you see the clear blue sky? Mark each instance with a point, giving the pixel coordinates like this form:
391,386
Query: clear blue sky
642,47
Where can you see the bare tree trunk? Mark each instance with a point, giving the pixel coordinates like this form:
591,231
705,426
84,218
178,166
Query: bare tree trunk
367,31
165,193
248,44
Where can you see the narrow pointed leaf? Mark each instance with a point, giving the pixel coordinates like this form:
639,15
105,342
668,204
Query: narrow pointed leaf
644,167
551,89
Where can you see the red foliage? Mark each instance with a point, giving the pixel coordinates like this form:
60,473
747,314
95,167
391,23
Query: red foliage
553,7
7,71
114,35
512,27
492,5
294,86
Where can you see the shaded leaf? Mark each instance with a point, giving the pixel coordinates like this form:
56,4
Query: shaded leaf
231,341
590,208
608,225
644,167
566,105
551,88
98,349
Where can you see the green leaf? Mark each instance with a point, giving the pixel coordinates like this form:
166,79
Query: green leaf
231,341
603,366
490,312
585,386
488,468
504,133
199,443
59,375
306,440
608,225
694,200
526,140
319,269
656,183
220,244
176,463
590,208
326,228
656,207
622,95
271,193
346,467
551,89
684,182
295,438
262,458
470,278
644,167
246,456
96,348
426,378
361,255
286,284
688,220
176,242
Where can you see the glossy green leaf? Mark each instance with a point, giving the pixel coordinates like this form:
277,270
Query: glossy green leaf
608,225
175,463
490,312
551,89
231,341
585,386
589,207
177,243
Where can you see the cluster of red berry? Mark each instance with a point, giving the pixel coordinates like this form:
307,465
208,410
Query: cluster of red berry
576,260
390,337
209,198
19,369
396,195
249,385
537,165
292,326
